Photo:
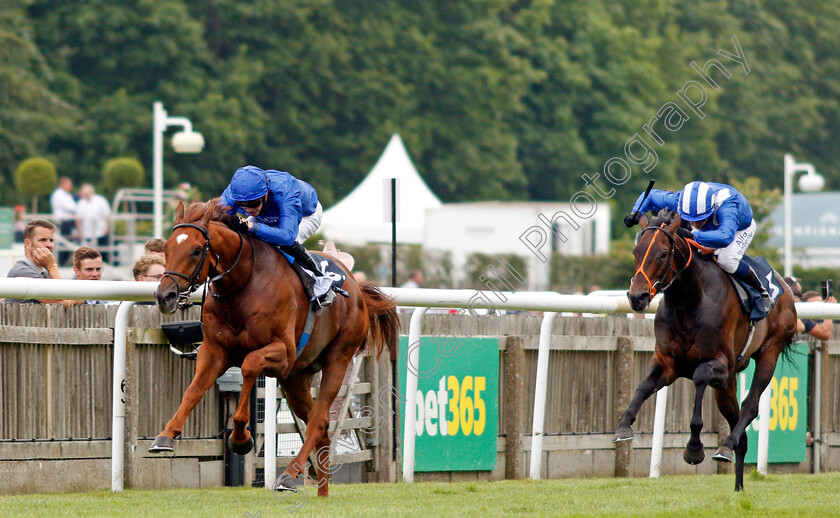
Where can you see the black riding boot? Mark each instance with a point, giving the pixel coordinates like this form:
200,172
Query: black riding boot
752,279
302,255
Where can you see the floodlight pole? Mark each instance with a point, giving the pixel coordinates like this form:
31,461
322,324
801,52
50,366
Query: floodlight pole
791,168
160,121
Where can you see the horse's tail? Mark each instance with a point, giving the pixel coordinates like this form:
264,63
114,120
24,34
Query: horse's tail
382,312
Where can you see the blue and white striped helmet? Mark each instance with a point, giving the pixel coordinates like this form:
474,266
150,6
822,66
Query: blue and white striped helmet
697,201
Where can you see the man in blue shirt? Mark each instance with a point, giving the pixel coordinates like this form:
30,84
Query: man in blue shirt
283,211
720,217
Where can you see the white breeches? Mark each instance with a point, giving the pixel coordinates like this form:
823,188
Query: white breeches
728,258
309,224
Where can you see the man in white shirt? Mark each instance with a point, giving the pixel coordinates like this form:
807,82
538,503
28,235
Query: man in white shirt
94,213
64,212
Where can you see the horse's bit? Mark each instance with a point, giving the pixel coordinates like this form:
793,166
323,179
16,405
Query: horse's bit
653,288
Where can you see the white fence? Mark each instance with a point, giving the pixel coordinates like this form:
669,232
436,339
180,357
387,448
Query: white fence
421,299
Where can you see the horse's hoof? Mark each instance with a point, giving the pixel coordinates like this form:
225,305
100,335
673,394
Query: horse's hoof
624,433
243,448
723,454
285,483
162,444
694,457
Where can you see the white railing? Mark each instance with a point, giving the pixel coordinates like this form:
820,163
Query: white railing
421,299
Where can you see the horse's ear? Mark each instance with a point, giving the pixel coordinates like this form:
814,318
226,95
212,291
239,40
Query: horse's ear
643,220
179,213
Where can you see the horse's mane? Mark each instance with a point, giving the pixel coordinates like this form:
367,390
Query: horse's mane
197,211
663,216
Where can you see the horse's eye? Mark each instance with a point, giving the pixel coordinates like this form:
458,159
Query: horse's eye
197,251
663,255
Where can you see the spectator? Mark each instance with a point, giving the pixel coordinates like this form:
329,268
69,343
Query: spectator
64,212
94,213
149,268
156,246
415,279
87,265
19,223
818,328
38,261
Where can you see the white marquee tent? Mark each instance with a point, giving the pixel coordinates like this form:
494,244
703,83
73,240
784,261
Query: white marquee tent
359,217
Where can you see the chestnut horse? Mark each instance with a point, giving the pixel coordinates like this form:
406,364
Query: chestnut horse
700,330
254,319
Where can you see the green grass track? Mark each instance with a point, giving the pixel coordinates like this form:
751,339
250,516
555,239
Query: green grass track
700,496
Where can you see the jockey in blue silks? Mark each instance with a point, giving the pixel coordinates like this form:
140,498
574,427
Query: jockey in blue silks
283,211
720,217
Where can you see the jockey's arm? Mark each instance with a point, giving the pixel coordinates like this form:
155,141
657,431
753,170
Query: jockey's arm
286,231
280,236
723,235
656,201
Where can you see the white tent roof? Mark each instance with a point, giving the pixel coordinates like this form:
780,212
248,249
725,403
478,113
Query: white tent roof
359,217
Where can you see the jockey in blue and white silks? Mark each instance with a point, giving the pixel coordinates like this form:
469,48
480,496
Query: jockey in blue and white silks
283,211
720,217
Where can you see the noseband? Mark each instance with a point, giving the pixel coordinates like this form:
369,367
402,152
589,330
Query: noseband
193,282
659,285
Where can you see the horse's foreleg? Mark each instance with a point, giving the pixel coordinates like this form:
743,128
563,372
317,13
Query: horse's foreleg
658,377
712,372
240,441
210,363
727,403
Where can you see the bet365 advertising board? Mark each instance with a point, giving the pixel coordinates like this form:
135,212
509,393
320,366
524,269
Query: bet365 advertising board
457,402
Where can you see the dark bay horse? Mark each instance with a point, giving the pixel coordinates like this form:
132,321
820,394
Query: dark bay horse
700,330
254,318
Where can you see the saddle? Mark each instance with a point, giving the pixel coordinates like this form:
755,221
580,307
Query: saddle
749,297
332,280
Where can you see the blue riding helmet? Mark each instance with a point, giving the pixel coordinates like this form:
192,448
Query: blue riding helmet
248,183
696,202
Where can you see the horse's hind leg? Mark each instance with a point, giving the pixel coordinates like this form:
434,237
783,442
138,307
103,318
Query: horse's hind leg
727,403
713,372
317,427
210,363
658,377
737,439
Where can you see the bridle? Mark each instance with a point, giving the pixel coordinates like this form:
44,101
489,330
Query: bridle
659,285
193,282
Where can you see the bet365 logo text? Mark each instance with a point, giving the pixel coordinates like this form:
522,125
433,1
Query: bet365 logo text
456,407
784,407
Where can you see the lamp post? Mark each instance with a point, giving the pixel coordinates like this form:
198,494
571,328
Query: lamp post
811,182
186,141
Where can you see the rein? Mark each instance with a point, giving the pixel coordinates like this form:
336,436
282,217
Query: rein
192,280
655,287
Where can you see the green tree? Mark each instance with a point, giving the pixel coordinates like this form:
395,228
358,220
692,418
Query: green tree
30,113
120,173
35,177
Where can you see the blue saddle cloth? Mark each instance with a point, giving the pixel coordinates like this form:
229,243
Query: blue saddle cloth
750,298
331,271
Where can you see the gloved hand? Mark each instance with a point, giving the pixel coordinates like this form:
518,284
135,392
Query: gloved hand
240,224
632,219
685,233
